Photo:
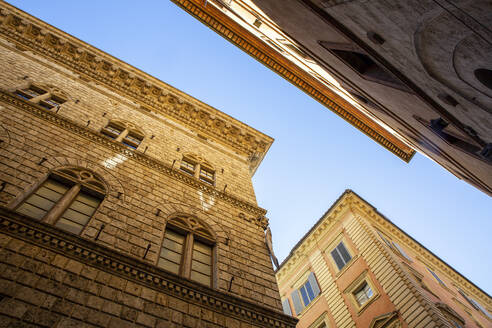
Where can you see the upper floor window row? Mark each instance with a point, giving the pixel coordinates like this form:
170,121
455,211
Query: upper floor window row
199,168
124,132
45,97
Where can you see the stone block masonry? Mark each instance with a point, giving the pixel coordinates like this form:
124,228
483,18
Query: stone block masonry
107,275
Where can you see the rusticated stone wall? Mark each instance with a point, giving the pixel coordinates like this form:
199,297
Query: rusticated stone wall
108,276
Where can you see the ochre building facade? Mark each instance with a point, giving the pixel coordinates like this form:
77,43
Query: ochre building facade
123,201
355,268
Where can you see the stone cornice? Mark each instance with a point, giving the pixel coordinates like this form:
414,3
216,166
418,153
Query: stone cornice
350,200
249,43
29,33
90,253
137,156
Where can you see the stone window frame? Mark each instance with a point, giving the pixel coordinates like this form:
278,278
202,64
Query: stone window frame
201,169
307,277
48,98
358,282
78,180
191,228
124,132
352,252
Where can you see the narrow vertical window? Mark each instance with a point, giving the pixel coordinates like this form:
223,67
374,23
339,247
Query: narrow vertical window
201,263
171,251
207,175
341,256
42,200
188,166
188,250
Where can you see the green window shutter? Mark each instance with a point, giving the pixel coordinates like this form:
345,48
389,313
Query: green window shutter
297,301
314,284
286,306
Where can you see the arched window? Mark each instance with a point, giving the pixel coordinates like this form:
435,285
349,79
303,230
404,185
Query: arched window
67,199
199,168
123,132
42,96
188,250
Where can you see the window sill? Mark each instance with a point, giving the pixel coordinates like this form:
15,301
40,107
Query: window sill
345,268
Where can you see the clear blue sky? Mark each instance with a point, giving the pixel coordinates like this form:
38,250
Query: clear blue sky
315,156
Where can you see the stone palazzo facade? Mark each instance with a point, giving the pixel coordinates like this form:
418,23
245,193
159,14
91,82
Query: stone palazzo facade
123,201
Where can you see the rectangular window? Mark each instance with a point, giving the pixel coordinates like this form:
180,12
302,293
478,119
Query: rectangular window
363,294
112,130
78,213
303,296
436,277
201,263
171,252
187,166
43,200
51,102
132,140
286,306
340,255
207,175
31,92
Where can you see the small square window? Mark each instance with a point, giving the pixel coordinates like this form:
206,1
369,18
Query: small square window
363,294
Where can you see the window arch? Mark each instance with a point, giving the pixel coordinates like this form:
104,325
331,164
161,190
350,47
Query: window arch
49,98
124,132
188,249
68,198
198,168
